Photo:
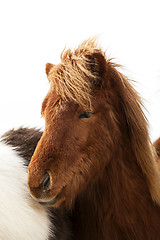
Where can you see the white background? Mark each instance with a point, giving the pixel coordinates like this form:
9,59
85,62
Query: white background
34,32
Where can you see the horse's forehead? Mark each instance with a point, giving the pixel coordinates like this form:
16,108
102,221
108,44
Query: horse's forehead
52,97
52,94
65,105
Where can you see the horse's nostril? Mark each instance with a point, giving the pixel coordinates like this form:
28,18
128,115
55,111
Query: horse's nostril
46,181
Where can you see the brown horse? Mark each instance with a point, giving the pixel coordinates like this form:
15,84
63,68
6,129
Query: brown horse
95,156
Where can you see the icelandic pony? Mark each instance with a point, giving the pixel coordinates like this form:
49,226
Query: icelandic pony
20,216
95,156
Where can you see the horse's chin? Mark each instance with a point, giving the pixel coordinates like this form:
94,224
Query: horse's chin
52,202
55,201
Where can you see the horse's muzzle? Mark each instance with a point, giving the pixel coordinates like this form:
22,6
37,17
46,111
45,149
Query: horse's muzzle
41,192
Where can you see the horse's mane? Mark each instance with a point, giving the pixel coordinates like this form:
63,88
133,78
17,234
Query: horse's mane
75,79
137,125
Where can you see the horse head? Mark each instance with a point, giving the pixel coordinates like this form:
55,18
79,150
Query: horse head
90,111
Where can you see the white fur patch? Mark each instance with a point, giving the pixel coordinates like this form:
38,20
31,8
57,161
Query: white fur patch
21,218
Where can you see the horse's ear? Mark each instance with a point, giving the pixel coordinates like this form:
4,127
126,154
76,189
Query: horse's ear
98,66
48,67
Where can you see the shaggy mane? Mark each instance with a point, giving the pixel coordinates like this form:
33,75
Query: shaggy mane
138,132
77,73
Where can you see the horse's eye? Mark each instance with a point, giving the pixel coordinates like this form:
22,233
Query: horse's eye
85,115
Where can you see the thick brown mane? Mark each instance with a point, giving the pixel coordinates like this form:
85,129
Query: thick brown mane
138,132
95,156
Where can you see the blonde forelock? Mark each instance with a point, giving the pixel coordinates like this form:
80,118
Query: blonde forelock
74,78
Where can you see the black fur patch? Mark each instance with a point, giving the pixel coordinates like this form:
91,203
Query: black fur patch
23,140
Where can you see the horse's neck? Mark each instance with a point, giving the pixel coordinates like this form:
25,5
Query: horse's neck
86,215
132,213
119,205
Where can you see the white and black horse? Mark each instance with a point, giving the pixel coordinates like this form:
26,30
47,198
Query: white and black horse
21,218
